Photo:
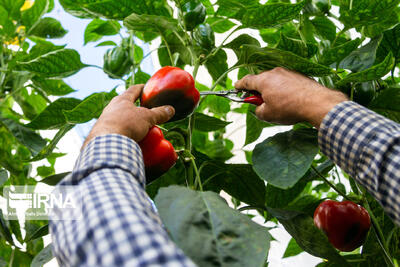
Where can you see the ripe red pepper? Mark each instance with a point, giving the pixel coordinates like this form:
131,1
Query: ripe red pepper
158,154
345,223
171,86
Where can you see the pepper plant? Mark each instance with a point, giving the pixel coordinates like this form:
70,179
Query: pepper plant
285,177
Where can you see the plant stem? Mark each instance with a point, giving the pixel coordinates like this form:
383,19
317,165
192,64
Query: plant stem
198,179
329,183
378,231
169,51
226,73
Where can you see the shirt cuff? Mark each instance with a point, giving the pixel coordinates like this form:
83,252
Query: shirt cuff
346,131
110,151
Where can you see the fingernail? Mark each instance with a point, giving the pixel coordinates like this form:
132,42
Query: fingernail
170,110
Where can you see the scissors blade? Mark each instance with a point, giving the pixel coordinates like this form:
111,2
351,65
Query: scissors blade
219,93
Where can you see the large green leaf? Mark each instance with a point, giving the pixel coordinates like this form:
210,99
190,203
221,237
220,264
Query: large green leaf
207,123
115,9
48,28
324,28
53,86
280,198
361,58
90,108
387,104
33,141
268,58
238,180
153,23
217,65
292,249
269,15
297,46
254,126
365,12
390,43
57,64
44,256
284,158
53,117
220,25
338,53
98,28
203,219
46,151
370,74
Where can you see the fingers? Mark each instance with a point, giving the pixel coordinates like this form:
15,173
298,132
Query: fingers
133,92
248,82
263,112
161,114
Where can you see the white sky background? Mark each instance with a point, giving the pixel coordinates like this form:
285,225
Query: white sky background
90,80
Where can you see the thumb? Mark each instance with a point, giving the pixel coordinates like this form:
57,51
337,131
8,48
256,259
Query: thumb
161,114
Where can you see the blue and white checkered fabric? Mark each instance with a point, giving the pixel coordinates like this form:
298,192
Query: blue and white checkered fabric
366,146
119,225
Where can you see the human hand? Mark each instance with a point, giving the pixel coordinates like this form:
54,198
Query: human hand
290,97
121,116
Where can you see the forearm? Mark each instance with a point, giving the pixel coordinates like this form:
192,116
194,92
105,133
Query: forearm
366,146
119,225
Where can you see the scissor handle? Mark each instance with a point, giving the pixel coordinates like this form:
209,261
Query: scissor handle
254,99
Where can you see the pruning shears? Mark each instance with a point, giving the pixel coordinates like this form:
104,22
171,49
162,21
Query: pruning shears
241,96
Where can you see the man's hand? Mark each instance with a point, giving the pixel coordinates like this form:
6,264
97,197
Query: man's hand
290,97
121,116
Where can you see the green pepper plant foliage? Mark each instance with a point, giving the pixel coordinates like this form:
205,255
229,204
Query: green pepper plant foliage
286,176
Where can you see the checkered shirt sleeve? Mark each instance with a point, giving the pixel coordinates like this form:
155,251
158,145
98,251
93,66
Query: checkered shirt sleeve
366,146
119,226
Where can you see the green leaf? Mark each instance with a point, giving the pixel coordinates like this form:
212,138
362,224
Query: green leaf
53,117
390,43
48,28
90,108
141,77
270,15
52,86
267,58
292,249
44,256
106,43
297,47
217,65
55,178
365,12
238,180
137,54
324,28
40,232
57,64
145,23
362,58
284,158
98,28
228,237
280,198
207,123
220,25
254,126
338,53
4,230
373,73
387,104
308,237
33,141
31,16
46,151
